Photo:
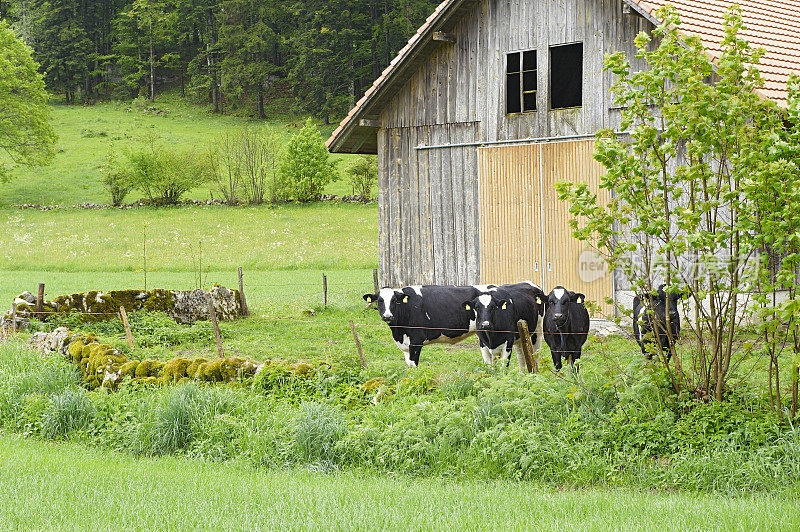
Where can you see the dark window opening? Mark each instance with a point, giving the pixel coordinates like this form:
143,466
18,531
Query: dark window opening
521,83
566,76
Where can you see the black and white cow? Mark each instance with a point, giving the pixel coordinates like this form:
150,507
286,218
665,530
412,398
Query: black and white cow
566,325
420,315
496,314
649,314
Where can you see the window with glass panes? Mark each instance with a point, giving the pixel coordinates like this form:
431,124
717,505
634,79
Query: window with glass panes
521,84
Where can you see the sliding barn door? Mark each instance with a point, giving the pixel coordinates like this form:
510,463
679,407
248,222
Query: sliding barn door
524,227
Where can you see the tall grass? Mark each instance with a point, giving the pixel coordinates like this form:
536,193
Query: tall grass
117,491
66,412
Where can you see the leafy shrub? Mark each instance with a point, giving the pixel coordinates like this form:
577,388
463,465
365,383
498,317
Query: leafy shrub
163,176
363,176
307,168
116,180
244,166
66,412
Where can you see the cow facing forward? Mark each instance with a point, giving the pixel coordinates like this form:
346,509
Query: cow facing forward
566,325
496,314
421,315
650,315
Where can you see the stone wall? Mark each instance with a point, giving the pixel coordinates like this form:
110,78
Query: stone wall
184,306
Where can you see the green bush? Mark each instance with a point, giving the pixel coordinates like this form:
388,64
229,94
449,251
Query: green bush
116,180
164,176
363,176
307,168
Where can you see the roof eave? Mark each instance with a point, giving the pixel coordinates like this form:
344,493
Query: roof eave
337,143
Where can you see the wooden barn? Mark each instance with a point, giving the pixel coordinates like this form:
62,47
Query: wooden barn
494,101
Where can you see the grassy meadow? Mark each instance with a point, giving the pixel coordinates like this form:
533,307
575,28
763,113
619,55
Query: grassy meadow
175,493
86,134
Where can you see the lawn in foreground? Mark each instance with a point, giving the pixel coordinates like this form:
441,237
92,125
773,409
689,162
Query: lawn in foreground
67,486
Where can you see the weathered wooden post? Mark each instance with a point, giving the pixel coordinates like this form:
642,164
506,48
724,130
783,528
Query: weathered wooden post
375,279
125,322
527,346
40,300
525,354
358,345
324,290
14,317
212,315
245,310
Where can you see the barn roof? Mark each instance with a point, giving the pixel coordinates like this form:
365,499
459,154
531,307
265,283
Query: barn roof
771,24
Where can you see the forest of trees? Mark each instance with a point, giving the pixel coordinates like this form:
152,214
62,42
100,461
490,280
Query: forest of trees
229,53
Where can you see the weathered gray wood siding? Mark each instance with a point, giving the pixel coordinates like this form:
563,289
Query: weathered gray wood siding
428,198
427,203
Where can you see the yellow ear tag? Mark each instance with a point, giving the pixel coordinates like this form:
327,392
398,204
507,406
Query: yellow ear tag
405,299
504,306
468,307
538,300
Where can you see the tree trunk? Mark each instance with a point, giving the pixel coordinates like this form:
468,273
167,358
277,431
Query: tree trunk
152,64
261,113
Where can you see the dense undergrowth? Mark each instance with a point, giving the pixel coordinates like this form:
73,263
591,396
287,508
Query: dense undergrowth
498,424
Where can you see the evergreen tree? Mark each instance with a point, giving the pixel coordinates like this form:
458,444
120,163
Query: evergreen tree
251,47
61,45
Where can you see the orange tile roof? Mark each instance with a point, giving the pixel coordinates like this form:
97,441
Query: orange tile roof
770,24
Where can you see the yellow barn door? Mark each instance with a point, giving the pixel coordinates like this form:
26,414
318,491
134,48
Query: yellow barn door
524,227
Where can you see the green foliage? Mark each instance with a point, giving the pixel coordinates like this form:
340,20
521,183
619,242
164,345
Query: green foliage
317,430
307,168
116,180
164,176
363,176
62,45
66,412
684,212
631,431
25,130
244,166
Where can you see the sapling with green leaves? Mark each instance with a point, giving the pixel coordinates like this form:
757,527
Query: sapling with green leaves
695,131
307,167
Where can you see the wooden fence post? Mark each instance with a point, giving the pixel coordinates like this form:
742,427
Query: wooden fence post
14,318
245,310
324,290
375,279
526,362
358,345
212,315
125,322
40,300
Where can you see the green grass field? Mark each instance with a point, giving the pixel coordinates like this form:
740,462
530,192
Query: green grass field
68,486
87,133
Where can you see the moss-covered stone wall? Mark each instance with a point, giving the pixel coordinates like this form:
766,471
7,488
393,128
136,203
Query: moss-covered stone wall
185,306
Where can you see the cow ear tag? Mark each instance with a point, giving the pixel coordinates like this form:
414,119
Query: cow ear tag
405,299
504,306
539,300
467,307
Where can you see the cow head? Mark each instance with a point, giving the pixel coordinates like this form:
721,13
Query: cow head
390,303
487,310
659,303
558,302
